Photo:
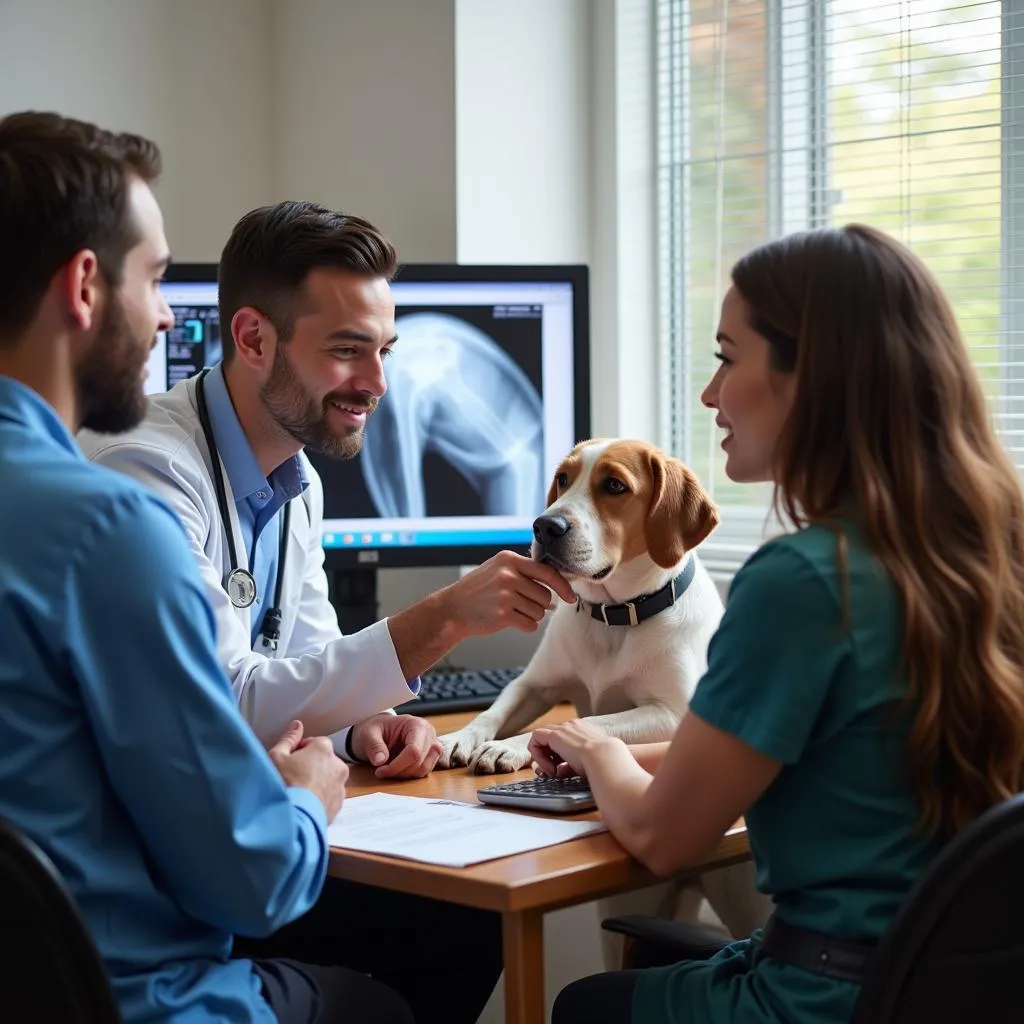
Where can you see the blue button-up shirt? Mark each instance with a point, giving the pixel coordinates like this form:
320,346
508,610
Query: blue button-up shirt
258,499
122,753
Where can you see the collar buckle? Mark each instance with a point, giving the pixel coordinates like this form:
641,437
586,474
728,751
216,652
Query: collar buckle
631,608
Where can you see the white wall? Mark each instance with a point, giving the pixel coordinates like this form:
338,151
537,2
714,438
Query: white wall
217,91
522,112
252,101
180,71
363,115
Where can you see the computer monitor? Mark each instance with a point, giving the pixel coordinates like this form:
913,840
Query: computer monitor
194,341
488,389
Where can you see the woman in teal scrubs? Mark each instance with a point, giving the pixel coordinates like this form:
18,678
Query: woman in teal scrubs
864,697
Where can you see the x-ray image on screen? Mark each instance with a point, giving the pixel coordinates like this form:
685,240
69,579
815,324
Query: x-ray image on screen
454,392
460,431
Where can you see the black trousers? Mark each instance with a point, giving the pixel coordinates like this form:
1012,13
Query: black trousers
443,959
599,999
307,994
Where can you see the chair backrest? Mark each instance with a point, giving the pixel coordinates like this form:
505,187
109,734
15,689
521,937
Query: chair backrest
50,969
955,951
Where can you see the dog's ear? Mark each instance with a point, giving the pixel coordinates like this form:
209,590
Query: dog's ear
681,515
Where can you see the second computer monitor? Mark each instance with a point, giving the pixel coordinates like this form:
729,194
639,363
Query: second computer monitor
488,388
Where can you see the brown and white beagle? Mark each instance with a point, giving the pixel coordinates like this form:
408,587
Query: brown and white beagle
621,524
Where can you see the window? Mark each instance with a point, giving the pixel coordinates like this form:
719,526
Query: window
780,115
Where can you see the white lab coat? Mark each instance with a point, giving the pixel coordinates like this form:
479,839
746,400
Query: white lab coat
327,680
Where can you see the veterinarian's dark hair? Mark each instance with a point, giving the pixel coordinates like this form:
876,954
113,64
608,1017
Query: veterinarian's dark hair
272,249
888,410
64,187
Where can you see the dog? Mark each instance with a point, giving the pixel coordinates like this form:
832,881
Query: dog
621,523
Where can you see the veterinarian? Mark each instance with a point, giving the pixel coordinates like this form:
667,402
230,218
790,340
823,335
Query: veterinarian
864,697
308,320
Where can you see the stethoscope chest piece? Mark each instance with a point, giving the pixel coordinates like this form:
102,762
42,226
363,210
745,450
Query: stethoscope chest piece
241,587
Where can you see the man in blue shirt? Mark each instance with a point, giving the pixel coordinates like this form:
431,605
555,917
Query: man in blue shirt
122,753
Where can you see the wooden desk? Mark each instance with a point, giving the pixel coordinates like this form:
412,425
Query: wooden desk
521,888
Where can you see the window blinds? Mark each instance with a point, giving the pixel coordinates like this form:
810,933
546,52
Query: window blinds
780,115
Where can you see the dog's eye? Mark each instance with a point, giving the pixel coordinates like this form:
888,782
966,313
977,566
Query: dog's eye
561,479
613,485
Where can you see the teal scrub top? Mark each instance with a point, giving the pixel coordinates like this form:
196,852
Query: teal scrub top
834,836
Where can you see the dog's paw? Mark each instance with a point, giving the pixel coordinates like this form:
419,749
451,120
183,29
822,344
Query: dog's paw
496,757
457,748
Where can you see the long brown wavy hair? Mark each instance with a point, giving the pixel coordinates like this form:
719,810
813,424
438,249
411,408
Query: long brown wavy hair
888,410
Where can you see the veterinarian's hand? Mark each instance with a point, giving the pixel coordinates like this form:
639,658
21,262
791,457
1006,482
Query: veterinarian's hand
563,750
402,746
507,590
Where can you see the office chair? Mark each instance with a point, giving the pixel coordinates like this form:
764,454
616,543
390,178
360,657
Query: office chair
954,953
50,970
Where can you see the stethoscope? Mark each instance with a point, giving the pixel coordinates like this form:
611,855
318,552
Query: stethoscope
239,583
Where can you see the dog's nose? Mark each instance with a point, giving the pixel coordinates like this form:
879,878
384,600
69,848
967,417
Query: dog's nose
548,529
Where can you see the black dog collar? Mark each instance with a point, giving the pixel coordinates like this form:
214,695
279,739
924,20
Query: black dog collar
632,613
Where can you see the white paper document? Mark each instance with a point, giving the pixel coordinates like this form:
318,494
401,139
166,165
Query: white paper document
445,832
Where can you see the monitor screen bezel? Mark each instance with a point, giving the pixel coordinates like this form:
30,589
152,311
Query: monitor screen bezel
577,275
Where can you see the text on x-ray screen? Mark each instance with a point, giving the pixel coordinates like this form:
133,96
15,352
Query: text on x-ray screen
192,343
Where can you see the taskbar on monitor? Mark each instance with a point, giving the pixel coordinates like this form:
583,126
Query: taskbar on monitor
425,538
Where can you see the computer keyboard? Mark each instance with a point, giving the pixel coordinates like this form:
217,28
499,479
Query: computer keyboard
458,690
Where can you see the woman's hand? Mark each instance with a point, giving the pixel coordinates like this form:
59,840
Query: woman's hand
562,750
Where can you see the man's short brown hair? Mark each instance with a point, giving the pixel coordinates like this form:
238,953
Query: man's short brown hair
64,187
272,249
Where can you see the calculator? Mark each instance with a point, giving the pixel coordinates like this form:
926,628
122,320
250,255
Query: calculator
561,796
